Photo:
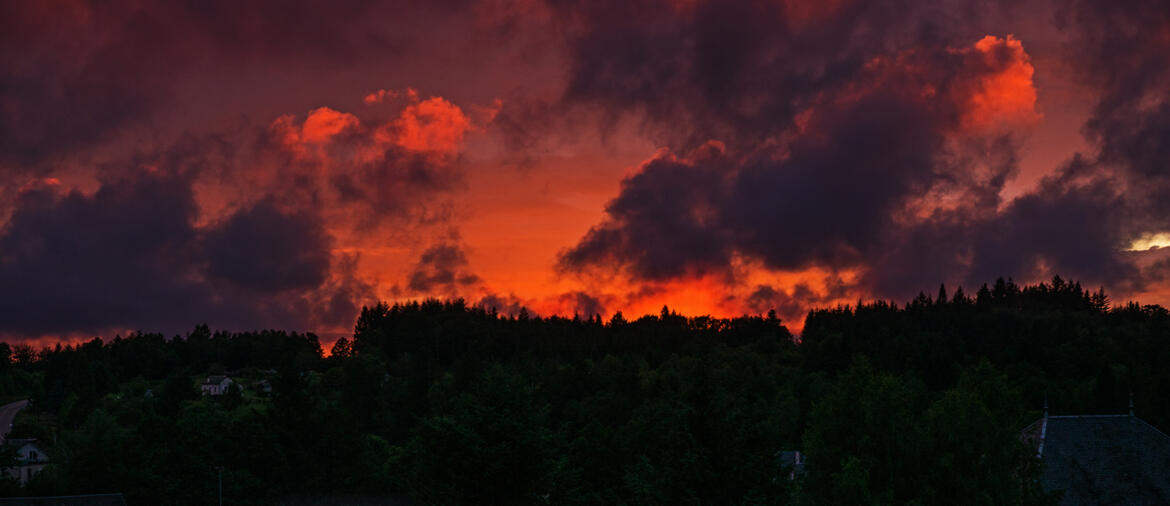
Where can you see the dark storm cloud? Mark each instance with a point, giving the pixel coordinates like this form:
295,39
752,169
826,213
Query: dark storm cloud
90,262
830,203
441,268
857,186
1079,221
583,304
794,304
738,71
97,81
76,72
826,203
1074,229
657,226
397,185
269,249
580,304
1122,49
1060,228
49,112
130,255
827,198
508,305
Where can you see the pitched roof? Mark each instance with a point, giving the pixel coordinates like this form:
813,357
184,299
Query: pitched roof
215,380
1103,459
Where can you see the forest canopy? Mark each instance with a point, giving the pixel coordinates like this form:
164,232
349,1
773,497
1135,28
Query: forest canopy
439,402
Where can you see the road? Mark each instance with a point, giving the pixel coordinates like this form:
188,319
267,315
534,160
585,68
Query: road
8,414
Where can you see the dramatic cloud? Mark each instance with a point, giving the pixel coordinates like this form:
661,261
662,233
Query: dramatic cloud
576,304
1124,52
131,255
117,257
268,249
741,71
280,164
1007,92
77,71
387,167
793,305
143,250
441,269
848,175
887,162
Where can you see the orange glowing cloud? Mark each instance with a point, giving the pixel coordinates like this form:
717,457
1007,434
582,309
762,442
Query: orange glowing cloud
323,123
380,96
306,141
40,183
991,84
1007,94
433,124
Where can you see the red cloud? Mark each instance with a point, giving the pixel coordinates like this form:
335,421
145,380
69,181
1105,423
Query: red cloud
1007,94
433,124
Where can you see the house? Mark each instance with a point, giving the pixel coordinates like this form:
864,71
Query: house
1102,459
263,386
30,459
216,385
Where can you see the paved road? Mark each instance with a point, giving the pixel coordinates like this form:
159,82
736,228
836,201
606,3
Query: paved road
8,414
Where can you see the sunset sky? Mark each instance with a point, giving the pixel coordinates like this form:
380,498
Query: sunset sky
279,164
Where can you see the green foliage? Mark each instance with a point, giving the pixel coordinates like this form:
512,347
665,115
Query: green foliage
879,439
487,445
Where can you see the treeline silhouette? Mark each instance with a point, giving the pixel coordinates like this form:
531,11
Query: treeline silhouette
443,403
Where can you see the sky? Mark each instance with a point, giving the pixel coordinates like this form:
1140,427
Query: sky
280,164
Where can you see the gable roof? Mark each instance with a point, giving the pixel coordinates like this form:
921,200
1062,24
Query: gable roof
215,380
1103,459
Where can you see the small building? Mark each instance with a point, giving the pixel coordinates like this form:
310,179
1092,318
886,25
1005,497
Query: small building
216,385
30,459
1102,459
263,386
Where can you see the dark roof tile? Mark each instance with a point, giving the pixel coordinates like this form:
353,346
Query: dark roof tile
1104,459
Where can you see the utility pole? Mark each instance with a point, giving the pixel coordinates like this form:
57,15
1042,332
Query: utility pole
220,469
